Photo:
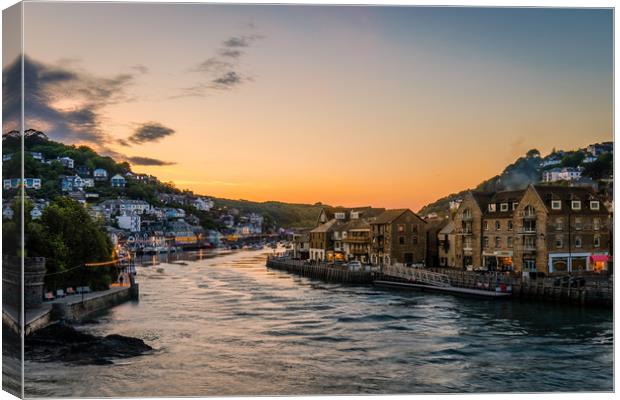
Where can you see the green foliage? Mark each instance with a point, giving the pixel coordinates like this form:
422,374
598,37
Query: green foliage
573,159
274,212
603,167
68,237
532,153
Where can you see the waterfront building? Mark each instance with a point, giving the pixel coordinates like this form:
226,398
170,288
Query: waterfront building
542,229
446,245
301,244
321,241
117,181
433,226
356,240
398,236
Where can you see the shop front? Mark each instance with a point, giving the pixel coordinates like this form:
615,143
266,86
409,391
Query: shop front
599,262
498,261
577,262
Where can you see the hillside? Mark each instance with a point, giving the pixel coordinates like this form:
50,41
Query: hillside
282,214
528,170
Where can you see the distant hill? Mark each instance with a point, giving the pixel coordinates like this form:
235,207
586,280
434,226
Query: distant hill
276,213
528,170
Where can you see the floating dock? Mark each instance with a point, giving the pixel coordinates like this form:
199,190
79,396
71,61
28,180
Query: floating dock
444,289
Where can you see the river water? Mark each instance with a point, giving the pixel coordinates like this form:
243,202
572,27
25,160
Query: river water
224,324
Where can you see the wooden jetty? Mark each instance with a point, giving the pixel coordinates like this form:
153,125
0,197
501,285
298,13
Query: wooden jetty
322,271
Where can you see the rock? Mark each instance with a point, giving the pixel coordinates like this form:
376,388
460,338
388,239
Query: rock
64,343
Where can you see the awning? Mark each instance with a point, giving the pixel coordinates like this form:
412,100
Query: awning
599,257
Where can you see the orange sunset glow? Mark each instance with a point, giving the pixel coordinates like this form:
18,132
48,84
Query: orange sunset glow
345,106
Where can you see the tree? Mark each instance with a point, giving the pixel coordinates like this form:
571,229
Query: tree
68,238
573,159
532,153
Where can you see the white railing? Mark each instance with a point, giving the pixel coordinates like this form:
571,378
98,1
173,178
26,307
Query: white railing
418,275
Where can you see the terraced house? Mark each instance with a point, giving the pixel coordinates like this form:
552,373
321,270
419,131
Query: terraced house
542,229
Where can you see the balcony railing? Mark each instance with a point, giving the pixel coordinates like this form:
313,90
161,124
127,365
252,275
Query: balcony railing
354,239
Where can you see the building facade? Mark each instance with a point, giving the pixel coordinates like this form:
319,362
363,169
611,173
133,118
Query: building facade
397,236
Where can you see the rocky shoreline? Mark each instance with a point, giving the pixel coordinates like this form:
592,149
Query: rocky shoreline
63,343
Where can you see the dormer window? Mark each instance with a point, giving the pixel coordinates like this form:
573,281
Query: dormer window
503,207
515,205
340,215
556,204
575,205
492,207
595,205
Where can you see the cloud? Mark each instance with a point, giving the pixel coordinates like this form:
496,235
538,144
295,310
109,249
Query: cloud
229,79
143,69
221,72
63,102
237,41
148,132
147,161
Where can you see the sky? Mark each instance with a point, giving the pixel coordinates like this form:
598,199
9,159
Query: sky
385,106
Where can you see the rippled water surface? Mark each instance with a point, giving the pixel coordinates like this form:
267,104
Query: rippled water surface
226,325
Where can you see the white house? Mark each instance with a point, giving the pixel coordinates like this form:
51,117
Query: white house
117,181
66,161
7,211
36,213
129,222
562,174
100,174
203,204
29,183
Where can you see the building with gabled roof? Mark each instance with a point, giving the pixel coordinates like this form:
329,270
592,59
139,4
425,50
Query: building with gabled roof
398,236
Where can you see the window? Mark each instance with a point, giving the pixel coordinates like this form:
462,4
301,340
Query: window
509,242
559,224
578,224
575,204
401,240
515,205
485,224
492,207
498,226
414,229
498,241
414,240
529,211
597,241
485,241
503,207
467,213
556,205
596,224
594,205
558,242
529,264
401,228
509,225
577,241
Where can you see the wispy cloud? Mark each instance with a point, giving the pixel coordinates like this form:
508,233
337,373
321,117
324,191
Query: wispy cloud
221,72
147,161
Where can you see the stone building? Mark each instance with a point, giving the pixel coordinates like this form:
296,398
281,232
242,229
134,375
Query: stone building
542,229
446,245
398,236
